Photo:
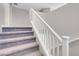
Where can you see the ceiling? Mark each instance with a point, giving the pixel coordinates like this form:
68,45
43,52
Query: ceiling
27,6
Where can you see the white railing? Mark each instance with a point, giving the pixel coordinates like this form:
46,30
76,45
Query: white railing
51,42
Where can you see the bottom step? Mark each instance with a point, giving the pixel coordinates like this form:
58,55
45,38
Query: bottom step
11,50
34,53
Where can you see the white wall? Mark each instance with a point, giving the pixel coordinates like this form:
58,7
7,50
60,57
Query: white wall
1,14
64,20
20,17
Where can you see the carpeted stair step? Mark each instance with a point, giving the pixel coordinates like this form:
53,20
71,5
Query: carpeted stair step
16,41
11,50
34,53
5,35
9,29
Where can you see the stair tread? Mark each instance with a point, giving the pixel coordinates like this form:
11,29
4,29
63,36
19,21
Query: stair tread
16,39
2,33
14,49
34,53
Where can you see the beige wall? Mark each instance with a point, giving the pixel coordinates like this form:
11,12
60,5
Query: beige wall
64,20
1,14
20,17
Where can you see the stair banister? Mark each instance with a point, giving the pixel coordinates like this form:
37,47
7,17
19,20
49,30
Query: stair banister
47,25
48,37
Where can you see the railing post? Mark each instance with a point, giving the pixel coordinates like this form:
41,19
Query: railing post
65,46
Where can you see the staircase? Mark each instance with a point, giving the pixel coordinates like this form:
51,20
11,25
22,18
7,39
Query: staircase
18,41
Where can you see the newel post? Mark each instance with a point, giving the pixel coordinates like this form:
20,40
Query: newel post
65,46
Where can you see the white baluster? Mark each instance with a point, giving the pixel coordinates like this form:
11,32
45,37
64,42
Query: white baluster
65,46
53,46
43,30
30,14
57,48
50,42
